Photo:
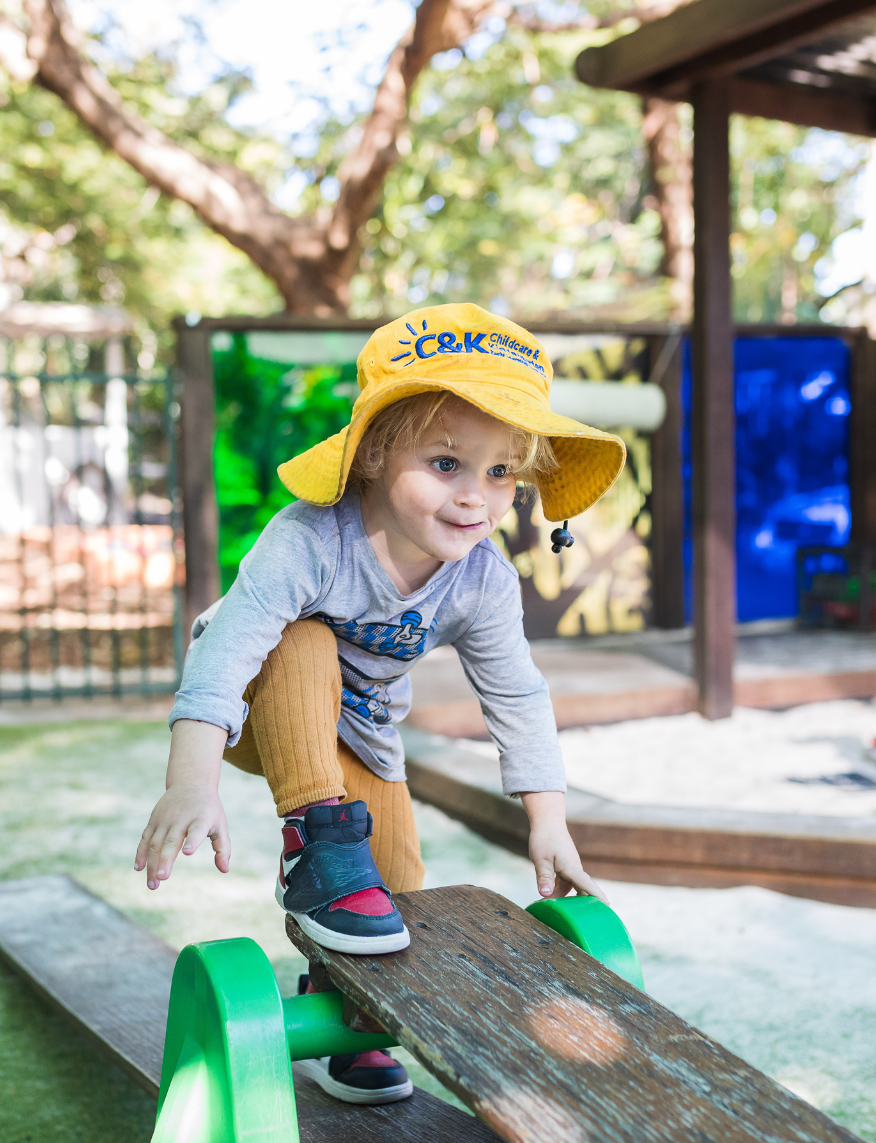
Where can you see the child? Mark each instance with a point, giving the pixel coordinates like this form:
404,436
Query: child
301,673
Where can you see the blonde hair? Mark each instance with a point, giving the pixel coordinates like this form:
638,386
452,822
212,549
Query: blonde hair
402,426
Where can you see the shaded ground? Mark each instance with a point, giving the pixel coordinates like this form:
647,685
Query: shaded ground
787,984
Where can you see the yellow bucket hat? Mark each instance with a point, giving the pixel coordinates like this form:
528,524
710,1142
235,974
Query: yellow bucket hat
489,362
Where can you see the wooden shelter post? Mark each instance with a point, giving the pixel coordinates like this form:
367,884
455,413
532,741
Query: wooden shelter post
667,487
713,419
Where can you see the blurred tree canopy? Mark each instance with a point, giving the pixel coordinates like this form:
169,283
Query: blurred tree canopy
78,224
516,187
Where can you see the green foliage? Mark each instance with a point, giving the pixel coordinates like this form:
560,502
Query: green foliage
527,170
266,413
547,201
793,194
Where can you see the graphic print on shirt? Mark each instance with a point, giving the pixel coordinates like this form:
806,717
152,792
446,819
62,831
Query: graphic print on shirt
403,640
364,696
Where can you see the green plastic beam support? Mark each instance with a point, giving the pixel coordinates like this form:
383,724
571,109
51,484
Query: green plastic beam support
315,1027
595,928
226,1076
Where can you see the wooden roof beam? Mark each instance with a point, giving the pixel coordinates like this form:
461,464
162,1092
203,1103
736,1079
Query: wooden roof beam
709,38
806,106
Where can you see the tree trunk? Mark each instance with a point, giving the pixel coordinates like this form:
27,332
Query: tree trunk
669,157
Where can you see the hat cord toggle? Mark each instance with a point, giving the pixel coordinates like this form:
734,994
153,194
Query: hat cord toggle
561,538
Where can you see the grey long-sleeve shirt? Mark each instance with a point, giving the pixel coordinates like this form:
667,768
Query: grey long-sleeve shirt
318,562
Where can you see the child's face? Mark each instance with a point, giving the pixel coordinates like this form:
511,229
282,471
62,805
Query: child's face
451,490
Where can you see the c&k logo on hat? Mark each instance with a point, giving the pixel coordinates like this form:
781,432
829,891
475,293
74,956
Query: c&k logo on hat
425,345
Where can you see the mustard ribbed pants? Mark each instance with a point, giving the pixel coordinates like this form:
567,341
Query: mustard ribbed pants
291,738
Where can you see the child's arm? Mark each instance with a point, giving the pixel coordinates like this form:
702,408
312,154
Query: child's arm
551,850
190,810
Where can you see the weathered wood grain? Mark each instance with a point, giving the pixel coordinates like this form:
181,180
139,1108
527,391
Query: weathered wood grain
546,1045
111,978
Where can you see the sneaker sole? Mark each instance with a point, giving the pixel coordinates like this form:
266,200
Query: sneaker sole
344,942
318,1072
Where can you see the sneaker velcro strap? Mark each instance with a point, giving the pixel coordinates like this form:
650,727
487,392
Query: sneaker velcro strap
326,872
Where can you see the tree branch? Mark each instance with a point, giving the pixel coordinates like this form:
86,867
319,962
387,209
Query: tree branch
310,259
439,26
227,199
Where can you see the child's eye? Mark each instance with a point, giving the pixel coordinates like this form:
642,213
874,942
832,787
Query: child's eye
445,464
500,471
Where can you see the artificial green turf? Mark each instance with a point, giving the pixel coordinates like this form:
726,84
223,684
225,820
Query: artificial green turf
54,1086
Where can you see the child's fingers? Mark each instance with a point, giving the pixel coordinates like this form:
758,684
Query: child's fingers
143,846
163,852
153,856
585,884
221,847
544,875
195,834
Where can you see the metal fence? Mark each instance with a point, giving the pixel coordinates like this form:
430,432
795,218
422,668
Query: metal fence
91,551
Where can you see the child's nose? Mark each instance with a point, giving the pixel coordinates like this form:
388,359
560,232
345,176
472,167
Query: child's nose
471,494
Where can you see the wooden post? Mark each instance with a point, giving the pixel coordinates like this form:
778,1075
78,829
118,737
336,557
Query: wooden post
200,512
713,417
667,488
862,440
862,466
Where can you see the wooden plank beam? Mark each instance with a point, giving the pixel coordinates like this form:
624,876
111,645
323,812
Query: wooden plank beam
200,510
713,414
796,103
710,38
667,489
545,1044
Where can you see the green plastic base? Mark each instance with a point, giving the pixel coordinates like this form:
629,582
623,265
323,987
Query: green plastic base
226,1076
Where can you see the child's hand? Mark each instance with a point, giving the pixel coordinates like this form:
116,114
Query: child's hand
190,810
185,814
551,850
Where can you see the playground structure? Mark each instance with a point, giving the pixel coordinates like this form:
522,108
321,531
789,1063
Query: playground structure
535,1019
803,61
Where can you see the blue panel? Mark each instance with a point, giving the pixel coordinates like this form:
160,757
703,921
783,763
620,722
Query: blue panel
792,490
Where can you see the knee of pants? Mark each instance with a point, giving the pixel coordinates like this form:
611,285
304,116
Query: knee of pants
302,672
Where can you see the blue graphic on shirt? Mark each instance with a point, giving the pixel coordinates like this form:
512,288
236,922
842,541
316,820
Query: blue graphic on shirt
403,640
365,697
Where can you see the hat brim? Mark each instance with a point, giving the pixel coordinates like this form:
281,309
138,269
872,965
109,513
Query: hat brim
589,460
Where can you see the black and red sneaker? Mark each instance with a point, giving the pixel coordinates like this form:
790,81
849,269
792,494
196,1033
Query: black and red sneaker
329,883
365,1078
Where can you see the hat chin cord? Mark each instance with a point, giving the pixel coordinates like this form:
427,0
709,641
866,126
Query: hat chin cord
561,538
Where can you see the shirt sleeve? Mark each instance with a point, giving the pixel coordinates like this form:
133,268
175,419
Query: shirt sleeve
289,570
513,694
